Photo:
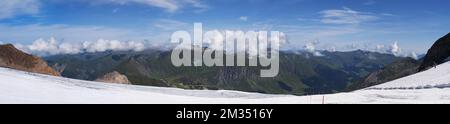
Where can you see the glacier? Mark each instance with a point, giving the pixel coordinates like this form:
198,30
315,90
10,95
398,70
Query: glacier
18,87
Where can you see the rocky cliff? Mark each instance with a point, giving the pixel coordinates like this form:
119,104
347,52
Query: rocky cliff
437,53
10,57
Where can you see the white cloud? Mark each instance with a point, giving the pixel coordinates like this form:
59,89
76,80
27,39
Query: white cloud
102,45
332,49
395,49
201,7
44,47
370,2
170,25
346,16
380,48
311,48
243,18
68,48
51,46
414,55
13,8
217,40
169,5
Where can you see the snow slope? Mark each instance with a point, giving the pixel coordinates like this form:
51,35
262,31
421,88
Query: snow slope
438,77
23,87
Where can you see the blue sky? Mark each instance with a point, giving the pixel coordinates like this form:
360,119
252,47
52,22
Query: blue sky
329,24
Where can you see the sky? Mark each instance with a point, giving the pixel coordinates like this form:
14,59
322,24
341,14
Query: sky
379,25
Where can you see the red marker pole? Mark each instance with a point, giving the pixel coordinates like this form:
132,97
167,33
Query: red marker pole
323,99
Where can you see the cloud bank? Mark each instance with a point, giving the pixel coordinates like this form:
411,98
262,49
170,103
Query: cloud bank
217,41
394,49
51,46
317,48
46,47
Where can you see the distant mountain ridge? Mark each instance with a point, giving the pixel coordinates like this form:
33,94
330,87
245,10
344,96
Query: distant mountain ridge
437,54
11,57
396,70
300,72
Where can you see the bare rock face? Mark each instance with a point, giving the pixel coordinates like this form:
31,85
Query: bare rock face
114,77
437,53
10,57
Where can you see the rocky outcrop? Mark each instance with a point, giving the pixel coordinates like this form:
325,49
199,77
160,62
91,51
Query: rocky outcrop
10,57
114,77
437,53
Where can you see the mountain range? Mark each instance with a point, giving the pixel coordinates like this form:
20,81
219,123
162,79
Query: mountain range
300,73
437,54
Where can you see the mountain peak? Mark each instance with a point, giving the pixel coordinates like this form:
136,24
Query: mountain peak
7,46
437,53
10,57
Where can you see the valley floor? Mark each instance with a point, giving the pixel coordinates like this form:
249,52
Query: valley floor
431,86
